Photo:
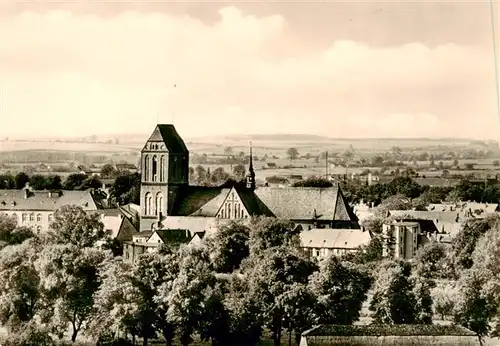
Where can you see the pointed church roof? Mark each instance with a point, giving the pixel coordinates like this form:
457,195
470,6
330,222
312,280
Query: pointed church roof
168,135
306,203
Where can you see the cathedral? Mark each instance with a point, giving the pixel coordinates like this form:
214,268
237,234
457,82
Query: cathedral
168,202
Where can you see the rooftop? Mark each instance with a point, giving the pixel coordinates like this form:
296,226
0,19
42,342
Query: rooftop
334,238
389,330
28,200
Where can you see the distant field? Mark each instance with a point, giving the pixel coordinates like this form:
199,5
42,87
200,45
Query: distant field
61,146
261,144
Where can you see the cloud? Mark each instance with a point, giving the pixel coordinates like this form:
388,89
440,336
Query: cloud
68,73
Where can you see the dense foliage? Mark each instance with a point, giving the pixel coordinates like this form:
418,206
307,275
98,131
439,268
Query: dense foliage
245,283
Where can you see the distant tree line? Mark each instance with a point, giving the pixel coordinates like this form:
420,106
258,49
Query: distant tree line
406,189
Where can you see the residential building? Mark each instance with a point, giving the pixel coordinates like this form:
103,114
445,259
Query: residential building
323,242
35,209
117,225
168,199
400,240
148,242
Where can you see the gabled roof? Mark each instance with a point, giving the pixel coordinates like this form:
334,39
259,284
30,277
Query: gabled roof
306,203
334,238
168,135
173,236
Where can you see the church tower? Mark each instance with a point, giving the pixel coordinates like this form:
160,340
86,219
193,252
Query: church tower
164,170
251,172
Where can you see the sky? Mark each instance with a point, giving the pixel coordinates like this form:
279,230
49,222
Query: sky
341,69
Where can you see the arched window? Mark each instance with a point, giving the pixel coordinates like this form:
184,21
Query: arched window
154,168
38,217
51,217
147,203
146,168
162,168
25,217
38,229
159,203
222,213
228,211
15,216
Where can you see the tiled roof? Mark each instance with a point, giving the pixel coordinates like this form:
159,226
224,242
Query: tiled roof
144,234
463,207
334,238
44,200
440,216
192,223
173,236
168,135
191,198
302,203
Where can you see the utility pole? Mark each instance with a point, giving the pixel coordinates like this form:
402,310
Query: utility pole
326,165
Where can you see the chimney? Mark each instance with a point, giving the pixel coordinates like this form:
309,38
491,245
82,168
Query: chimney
26,193
50,194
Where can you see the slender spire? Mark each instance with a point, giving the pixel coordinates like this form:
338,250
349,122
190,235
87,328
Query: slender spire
251,172
250,167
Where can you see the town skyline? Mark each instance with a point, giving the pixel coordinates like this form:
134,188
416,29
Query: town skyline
240,68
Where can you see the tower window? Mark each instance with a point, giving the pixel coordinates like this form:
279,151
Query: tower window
162,168
147,203
146,168
154,169
159,204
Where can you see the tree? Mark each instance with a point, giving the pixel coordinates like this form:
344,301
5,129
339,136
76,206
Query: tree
73,181
20,293
374,224
228,151
21,180
201,175
466,240
396,202
219,175
478,299
292,154
108,171
116,303
186,296
274,275
444,298
473,309
10,233
266,233
72,225
91,182
229,247
245,315
341,289
239,171
53,182
430,259
313,182
69,277
38,182
126,188
399,297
